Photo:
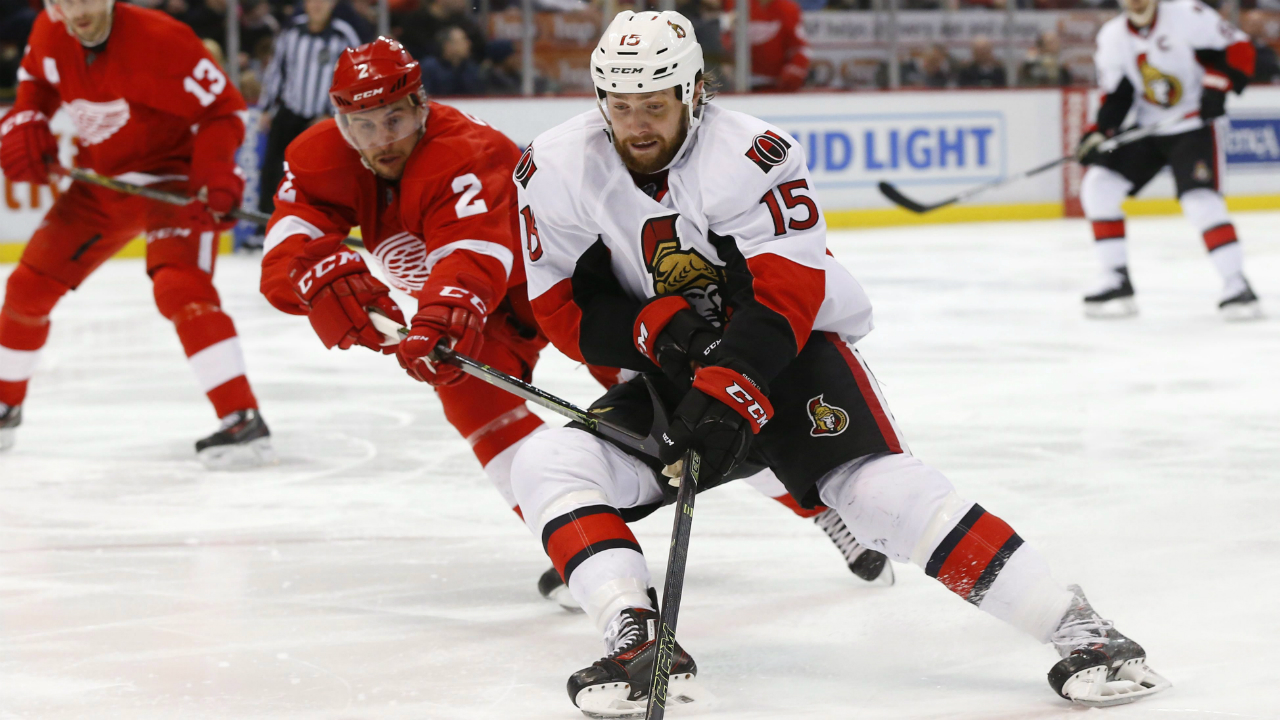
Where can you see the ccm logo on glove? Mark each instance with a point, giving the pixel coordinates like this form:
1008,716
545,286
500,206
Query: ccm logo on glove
737,391
450,291
325,266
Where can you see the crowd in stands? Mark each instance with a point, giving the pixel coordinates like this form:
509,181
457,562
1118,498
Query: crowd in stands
459,58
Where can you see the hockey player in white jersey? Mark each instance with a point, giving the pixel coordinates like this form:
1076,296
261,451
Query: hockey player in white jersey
1165,60
669,236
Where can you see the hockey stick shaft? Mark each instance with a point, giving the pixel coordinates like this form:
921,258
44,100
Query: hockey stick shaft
673,586
895,195
393,331
163,196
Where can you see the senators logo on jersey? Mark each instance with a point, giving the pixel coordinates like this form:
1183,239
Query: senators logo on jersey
682,272
1157,87
828,420
768,150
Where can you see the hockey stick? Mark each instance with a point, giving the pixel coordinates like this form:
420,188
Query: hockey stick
895,195
89,176
673,587
393,331
128,188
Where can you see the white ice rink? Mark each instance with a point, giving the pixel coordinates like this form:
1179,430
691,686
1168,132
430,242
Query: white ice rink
374,573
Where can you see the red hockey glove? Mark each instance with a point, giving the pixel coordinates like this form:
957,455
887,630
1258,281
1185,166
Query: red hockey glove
336,290
27,147
718,418
455,317
675,337
218,188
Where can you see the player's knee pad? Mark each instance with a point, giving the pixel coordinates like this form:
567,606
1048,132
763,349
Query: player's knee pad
183,292
30,296
561,468
894,503
498,468
1204,209
1101,193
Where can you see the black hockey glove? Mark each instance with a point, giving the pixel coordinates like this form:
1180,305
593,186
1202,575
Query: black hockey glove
1087,152
1213,104
718,418
676,338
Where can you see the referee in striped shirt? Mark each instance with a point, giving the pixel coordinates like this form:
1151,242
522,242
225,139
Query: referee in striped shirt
296,89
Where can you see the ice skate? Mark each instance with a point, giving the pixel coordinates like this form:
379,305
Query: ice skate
551,587
617,685
864,562
1240,305
10,419
1113,300
1099,666
242,442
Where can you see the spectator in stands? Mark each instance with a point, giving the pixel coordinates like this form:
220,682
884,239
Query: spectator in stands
1267,68
207,17
779,50
256,24
1043,67
295,92
705,16
931,70
454,72
16,18
983,70
420,31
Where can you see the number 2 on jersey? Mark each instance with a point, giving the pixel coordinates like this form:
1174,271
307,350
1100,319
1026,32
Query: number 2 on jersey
789,198
468,205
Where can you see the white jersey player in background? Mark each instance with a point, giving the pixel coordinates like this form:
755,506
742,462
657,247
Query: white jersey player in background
657,219
1165,60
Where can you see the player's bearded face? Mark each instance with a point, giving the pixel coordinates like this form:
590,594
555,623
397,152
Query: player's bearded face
88,20
385,136
648,128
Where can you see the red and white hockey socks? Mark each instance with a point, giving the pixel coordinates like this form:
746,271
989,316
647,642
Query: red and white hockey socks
1207,211
24,328
186,296
599,559
909,511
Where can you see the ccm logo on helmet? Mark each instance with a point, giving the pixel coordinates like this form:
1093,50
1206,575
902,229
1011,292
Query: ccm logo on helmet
626,71
367,94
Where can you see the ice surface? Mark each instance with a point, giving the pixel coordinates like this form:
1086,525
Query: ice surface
375,574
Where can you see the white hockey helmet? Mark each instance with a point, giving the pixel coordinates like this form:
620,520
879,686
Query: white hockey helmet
646,52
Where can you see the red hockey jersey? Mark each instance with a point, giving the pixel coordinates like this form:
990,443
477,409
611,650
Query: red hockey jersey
450,221
779,50
152,99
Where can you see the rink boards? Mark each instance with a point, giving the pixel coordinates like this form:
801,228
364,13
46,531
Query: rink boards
930,144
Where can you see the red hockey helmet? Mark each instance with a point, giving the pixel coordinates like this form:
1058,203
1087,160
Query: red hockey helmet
374,74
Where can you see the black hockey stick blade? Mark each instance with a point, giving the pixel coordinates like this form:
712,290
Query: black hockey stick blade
896,197
673,586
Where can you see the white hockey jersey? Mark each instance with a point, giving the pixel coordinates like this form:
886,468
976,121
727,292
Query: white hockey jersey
1160,61
737,232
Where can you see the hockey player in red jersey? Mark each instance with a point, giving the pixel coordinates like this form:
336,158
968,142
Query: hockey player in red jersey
151,107
430,188
711,221
779,49
1165,61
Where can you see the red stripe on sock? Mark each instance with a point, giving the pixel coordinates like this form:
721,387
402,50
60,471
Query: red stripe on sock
232,395
200,325
1108,229
790,503
582,533
868,394
1215,238
973,553
12,393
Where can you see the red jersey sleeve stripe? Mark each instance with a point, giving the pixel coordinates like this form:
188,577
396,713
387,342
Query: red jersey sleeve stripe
560,318
790,289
